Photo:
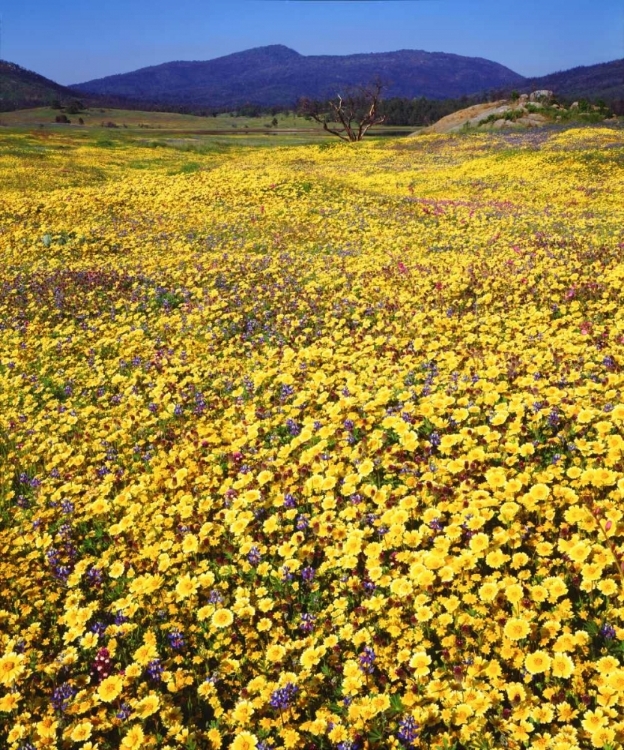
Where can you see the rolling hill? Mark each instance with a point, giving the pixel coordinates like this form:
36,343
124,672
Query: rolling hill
23,88
277,75
602,81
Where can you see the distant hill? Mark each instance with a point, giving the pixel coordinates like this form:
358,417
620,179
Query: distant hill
602,81
277,75
22,88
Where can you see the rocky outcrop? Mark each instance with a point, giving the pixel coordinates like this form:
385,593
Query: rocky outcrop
542,95
519,113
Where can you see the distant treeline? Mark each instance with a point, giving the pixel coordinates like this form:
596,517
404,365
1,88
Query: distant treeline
398,111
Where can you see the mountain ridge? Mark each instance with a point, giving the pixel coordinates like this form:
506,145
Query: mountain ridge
278,75
604,80
17,84
281,66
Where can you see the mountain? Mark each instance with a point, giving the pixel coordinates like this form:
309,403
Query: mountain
602,81
23,88
277,75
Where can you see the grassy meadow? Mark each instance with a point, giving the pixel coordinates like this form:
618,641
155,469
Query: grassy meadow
311,445
231,124
100,117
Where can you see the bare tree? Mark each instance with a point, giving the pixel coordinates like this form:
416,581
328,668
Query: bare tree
348,117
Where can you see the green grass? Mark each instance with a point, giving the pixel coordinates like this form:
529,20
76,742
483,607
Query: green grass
288,126
122,118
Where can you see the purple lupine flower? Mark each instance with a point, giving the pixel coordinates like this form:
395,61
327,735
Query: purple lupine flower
200,403
290,501
283,697
302,522
67,506
348,425
287,576
434,439
120,618
369,587
254,555
307,574
293,428
94,576
307,623
608,362
176,640
154,670
99,628
608,408
554,418
178,410
62,572
408,732
61,696
286,391
52,556
317,426
608,632
124,711
367,660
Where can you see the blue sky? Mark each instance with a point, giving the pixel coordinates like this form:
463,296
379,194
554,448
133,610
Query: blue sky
71,41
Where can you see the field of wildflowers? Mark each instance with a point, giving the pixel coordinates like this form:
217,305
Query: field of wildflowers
313,447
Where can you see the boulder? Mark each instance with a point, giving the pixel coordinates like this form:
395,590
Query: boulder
494,113
532,120
471,115
541,95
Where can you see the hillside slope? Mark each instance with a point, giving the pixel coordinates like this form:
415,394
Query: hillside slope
279,75
22,88
605,80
